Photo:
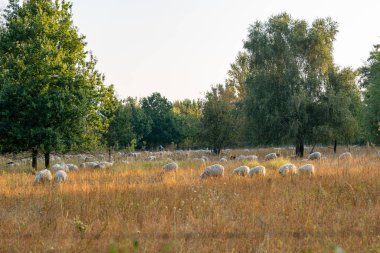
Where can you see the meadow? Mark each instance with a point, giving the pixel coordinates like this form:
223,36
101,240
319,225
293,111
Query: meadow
136,207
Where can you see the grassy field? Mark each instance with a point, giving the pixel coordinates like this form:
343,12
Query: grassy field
137,208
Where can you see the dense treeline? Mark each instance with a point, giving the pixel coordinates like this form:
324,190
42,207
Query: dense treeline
283,89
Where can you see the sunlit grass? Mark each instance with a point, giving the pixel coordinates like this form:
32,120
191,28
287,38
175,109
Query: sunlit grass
138,207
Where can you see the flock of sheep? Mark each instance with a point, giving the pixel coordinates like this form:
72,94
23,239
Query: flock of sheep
217,170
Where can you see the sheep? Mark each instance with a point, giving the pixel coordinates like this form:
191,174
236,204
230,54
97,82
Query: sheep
60,176
307,169
251,158
171,167
103,165
315,156
72,167
152,158
271,156
43,176
200,160
248,158
345,156
205,158
215,170
12,164
223,160
258,170
60,166
88,165
241,171
288,168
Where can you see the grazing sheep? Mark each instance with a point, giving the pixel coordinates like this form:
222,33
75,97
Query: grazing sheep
258,170
88,165
60,176
152,158
247,158
288,168
43,176
104,165
200,160
241,171
72,167
223,160
171,167
315,156
345,156
251,158
12,164
271,156
60,166
205,158
215,170
307,169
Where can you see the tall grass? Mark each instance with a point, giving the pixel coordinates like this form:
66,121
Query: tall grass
137,208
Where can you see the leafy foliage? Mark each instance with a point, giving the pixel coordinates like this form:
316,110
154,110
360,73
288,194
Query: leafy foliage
50,91
371,81
292,80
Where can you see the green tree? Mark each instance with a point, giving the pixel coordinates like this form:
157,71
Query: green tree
219,122
371,82
164,128
127,127
50,91
188,114
290,66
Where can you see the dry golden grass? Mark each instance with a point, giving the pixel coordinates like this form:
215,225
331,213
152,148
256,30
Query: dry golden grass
142,210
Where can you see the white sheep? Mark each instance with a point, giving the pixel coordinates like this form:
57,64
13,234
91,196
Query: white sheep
152,158
345,156
307,169
72,167
171,167
315,156
223,160
288,168
43,176
247,158
241,171
60,176
258,170
203,161
215,170
103,165
60,166
89,165
271,156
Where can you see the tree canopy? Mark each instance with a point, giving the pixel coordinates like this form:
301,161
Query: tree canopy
50,90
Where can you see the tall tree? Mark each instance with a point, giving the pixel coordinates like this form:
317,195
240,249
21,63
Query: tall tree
188,114
371,82
220,117
289,64
127,127
164,129
50,91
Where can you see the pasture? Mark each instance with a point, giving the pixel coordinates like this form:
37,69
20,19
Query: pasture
136,207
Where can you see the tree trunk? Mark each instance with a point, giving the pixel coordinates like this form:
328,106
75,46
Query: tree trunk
335,146
312,150
34,158
47,160
109,155
300,148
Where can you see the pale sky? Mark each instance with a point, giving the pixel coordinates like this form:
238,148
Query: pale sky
180,48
